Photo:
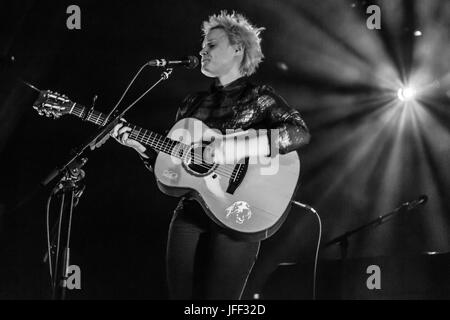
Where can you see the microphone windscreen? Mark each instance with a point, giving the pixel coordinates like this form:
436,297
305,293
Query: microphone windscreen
193,62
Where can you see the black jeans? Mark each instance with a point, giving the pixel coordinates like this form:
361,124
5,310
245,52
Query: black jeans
203,262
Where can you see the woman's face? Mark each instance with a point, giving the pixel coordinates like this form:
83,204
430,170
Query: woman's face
218,55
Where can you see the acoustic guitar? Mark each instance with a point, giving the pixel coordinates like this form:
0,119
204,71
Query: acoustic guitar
249,199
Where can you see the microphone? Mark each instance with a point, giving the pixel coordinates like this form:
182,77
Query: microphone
189,62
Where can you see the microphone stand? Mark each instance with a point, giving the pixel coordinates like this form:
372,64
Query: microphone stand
102,132
342,240
69,186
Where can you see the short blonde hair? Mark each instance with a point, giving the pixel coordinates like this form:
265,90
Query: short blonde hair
240,32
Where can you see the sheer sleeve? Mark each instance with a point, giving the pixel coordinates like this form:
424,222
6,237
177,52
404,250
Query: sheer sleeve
288,129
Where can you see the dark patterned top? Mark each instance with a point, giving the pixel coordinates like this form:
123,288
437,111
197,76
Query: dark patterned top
243,105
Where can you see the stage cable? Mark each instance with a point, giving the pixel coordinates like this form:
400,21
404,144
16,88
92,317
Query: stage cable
311,209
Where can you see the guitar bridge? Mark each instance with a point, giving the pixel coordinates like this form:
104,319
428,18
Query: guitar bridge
237,176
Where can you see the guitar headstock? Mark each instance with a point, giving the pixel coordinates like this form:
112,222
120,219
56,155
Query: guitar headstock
52,104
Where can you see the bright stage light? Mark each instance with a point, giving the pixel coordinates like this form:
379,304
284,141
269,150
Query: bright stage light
406,94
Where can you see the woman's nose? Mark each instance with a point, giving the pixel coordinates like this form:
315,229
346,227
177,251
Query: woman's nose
203,52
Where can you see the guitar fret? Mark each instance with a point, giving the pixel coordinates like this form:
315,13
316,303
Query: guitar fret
135,132
156,141
92,116
101,119
139,133
164,144
153,139
160,144
144,136
98,117
89,116
150,137
85,112
77,110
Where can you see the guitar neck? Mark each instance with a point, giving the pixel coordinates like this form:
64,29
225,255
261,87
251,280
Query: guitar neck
146,137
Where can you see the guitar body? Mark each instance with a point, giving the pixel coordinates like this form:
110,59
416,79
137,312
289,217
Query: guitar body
250,200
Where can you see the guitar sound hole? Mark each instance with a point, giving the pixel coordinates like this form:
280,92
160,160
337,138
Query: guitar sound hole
194,163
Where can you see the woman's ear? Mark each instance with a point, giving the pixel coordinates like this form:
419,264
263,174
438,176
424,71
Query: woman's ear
239,50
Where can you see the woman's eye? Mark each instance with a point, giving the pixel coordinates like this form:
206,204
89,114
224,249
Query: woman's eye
209,45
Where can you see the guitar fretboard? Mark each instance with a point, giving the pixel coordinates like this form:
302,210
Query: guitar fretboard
156,141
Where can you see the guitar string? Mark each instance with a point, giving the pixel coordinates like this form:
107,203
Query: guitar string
94,116
180,151
167,146
162,145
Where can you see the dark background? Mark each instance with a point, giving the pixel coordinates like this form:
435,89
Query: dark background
120,225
